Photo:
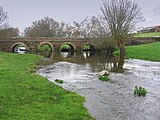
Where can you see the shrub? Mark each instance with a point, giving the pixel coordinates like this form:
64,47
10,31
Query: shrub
103,78
106,46
140,91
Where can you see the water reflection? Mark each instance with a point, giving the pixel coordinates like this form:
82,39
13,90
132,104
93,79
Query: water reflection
67,54
46,54
113,100
86,54
95,60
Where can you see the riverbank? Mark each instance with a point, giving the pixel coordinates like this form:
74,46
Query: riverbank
26,95
149,51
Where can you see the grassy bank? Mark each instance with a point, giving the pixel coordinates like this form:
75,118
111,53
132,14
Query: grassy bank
149,51
27,96
146,51
152,34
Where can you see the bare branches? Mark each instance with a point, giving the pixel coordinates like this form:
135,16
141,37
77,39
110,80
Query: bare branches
3,15
94,27
121,15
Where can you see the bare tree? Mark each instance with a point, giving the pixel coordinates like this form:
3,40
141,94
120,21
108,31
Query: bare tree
94,27
121,17
7,31
3,16
48,27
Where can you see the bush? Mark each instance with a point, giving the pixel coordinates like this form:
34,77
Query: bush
106,46
103,78
140,91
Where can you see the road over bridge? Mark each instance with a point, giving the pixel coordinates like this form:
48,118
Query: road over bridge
32,44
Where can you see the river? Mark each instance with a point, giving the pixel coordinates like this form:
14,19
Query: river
113,100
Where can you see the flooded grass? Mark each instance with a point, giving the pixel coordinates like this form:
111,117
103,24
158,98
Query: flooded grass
28,96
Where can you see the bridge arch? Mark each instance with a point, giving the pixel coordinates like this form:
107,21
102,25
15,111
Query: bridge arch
73,47
19,43
46,43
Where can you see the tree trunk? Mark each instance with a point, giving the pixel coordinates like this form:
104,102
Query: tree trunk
121,47
121,62
122,54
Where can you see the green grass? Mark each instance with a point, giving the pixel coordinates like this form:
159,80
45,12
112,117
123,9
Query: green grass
146,51
149,51
65,47
27,96
86,47
45,48
152,34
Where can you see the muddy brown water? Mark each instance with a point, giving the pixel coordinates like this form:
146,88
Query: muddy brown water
113,100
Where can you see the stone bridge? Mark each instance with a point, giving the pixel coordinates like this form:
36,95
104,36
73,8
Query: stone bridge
76,44
32,44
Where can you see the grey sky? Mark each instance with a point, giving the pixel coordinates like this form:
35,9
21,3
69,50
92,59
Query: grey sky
23,12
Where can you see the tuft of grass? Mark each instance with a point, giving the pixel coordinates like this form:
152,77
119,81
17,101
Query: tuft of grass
140,91
59,81
28,96
151,34
103,78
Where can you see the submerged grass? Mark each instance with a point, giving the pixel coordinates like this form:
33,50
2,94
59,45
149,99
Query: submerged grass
28,96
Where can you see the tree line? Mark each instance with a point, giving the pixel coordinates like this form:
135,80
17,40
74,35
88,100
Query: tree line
48,27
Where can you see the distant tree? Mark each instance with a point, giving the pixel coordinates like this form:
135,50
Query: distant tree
121,17
48,27
8,32
3,16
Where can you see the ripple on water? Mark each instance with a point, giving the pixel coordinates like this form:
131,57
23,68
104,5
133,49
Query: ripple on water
113,100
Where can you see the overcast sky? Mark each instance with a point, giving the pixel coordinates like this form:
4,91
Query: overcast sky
23,12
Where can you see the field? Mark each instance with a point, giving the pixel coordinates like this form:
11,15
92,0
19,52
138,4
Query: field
146,51
149,51
152,34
